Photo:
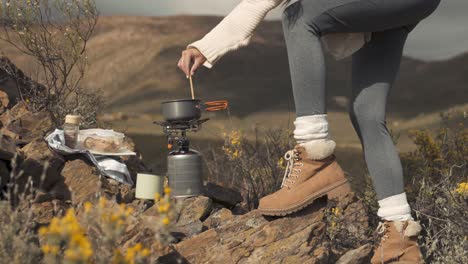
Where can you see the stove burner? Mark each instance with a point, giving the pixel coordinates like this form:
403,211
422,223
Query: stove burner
181,126
176,132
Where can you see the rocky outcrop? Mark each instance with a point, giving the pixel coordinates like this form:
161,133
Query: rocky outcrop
41,164
252,238
4,174
32,168
222,195
15,83
359,255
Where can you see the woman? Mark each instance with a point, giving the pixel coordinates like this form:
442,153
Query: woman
374,32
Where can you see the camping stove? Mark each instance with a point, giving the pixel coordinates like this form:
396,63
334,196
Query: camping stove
184,165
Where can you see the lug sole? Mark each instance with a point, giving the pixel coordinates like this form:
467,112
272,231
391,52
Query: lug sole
335,191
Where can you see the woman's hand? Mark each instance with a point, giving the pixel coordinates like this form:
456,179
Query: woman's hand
188,56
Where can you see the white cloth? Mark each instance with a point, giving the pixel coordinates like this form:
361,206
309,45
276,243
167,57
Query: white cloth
313,127
395,208
107,165
237,28
311,132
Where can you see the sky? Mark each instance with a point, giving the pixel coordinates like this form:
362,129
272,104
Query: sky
442,35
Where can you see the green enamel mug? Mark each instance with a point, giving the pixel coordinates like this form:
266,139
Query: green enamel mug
147,185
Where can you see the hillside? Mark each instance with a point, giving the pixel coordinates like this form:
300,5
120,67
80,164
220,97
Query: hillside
133,62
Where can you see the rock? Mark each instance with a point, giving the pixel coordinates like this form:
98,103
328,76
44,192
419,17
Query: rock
29,127
11,115
218,218
123,192
145,231
253,239
4,101
4,174
239,210
36,155
83,182
189,214
192,209
18,110
42,213
82,179
223,195
23,126
353,225
360,255
181,232
302,237
7,148
15,83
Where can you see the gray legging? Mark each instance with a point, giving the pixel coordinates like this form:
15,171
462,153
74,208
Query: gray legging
374,68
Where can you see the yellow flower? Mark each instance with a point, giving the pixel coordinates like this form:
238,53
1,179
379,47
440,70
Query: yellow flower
114,218
134,252
43,230
102,202
462,188
71,254
87,207
157,196
129,211
280,163
145,252
167,190
50,249
118,257
162,208
336,211
165,221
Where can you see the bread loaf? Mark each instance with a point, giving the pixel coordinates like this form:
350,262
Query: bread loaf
101,145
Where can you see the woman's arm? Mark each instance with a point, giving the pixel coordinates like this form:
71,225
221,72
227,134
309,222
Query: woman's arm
234,31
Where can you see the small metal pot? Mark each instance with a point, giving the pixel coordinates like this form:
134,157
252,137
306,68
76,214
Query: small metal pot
189,109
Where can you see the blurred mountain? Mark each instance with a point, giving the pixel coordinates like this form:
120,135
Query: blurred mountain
133,62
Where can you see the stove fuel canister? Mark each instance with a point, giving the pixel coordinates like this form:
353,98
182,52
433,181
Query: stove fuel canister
185,173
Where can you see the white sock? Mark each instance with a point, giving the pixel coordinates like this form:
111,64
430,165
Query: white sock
311,132
395,208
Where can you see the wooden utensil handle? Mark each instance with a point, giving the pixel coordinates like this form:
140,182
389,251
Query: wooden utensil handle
191,87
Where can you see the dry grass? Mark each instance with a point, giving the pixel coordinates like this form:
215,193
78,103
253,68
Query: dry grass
437,189
251,166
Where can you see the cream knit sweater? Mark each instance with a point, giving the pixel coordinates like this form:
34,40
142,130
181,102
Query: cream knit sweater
237,28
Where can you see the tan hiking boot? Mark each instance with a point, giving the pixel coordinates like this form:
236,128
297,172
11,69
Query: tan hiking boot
398,243
304,181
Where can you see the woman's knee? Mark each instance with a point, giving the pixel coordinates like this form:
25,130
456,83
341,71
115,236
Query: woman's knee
366,116
294,18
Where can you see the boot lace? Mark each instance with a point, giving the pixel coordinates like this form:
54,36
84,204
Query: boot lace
382,231
292,157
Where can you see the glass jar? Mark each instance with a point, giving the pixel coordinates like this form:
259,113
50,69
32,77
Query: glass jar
71,129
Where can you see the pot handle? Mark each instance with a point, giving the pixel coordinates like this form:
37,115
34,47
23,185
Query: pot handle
215,105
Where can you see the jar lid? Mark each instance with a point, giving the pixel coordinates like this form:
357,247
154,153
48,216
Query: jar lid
72,119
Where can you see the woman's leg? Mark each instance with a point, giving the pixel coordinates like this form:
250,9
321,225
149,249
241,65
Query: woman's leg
308,73
367,15
374,69
306,62
304,22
